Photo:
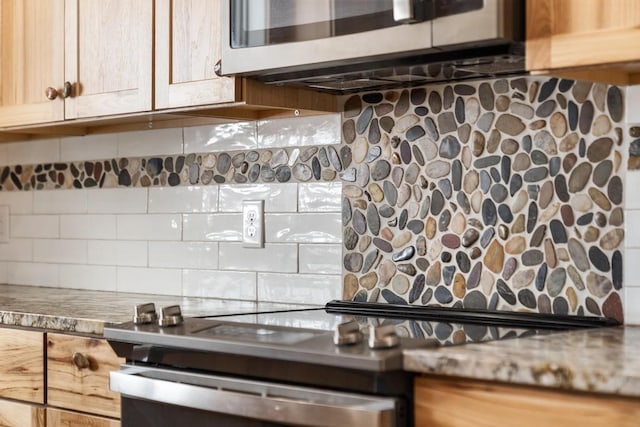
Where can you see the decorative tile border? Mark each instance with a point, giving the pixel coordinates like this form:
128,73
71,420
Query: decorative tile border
503,194
307,164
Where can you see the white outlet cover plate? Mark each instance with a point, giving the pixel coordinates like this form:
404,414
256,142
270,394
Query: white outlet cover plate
253,223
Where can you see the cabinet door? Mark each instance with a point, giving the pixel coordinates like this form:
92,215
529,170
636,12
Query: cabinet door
31,59
14,414
187,49
580,33
78,374
108,56
58,418
22,365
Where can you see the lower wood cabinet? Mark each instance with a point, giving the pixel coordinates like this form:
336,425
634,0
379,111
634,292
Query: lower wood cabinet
22,365
60,418
468,403
15,414
78,374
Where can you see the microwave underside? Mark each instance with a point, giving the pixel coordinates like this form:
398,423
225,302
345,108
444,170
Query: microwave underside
489,61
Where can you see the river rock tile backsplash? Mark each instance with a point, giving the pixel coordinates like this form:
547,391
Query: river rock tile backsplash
503,194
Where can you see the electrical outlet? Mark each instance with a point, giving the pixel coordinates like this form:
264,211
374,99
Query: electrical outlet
253,223
4,224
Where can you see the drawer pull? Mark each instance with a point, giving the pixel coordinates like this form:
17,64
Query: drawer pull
80,360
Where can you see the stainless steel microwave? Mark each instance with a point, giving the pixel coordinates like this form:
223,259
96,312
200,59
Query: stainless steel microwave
342,45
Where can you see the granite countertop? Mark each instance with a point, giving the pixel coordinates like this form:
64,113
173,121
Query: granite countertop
603,360
83,311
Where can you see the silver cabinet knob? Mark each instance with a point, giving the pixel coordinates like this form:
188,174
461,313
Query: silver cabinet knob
144,313
347,333
170,316
384,336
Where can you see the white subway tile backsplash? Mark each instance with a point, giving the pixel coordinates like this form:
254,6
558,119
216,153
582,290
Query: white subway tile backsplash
183,199
277,197
33,274
152,142
320,259
163,281
298,131
298,288
60,201
89,147
33,152
632,225
88,226
219,284
221,137
197,255
632,102
631,267
4,276
632,305
282,228
631,200
149,227
117,252
117,200
34,226
212,227
19,202
17,250
182,240
94,277
320,197
60,251
273,257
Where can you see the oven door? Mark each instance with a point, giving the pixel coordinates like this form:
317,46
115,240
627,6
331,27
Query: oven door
162,397
259,35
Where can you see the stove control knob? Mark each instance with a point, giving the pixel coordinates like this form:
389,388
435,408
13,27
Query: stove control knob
384,336
347,333
170,316
144,313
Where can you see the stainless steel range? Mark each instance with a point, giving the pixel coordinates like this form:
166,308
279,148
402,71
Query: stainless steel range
340,365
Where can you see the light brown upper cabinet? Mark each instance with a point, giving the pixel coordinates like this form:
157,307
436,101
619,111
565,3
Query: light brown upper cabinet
591,39
187,49
31,59
108,56
68,59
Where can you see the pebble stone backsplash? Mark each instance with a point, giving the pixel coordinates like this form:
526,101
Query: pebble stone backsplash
503,194
239,167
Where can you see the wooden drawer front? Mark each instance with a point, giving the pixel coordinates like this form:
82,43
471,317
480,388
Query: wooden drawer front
59,418
85,389
468,403
14,414
22,365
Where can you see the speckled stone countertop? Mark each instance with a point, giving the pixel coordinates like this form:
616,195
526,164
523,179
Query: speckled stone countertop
82,311
604,360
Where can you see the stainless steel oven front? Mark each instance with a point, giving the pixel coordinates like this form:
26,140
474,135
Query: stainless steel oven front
166,397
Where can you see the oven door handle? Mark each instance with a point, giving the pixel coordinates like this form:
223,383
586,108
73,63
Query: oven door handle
300,406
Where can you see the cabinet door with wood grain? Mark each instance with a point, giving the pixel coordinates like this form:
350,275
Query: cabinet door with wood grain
599,38
78,374
31,60
187,48
108,57
449,402
59,418
15,414
22,365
